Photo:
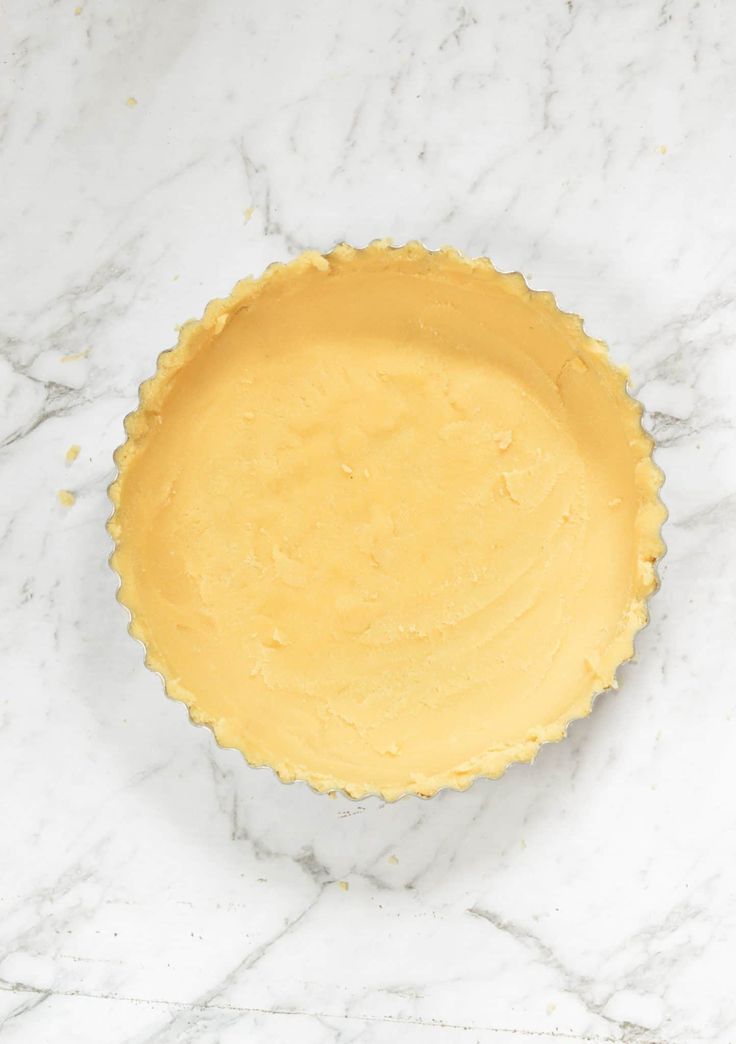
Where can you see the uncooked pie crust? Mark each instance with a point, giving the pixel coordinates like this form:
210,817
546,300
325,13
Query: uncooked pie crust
386,520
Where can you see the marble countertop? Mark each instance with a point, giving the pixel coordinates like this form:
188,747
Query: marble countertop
154,888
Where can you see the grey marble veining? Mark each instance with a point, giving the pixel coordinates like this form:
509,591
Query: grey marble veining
152,887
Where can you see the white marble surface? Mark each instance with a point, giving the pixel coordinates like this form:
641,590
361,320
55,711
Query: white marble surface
152,887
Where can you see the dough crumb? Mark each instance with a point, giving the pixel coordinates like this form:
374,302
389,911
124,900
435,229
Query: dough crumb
318,261
332,794
278,639
75,356
663,150
248,214
507,487
347,469
66,497
77,10
393,860
72,453
503,439
131,102
343,885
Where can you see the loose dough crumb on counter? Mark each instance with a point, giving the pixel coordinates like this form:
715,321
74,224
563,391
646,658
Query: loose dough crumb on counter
66,497
72,453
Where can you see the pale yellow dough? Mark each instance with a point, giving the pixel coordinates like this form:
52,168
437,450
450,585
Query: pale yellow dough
386,520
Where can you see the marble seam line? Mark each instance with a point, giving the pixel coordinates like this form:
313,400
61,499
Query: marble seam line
384,1019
